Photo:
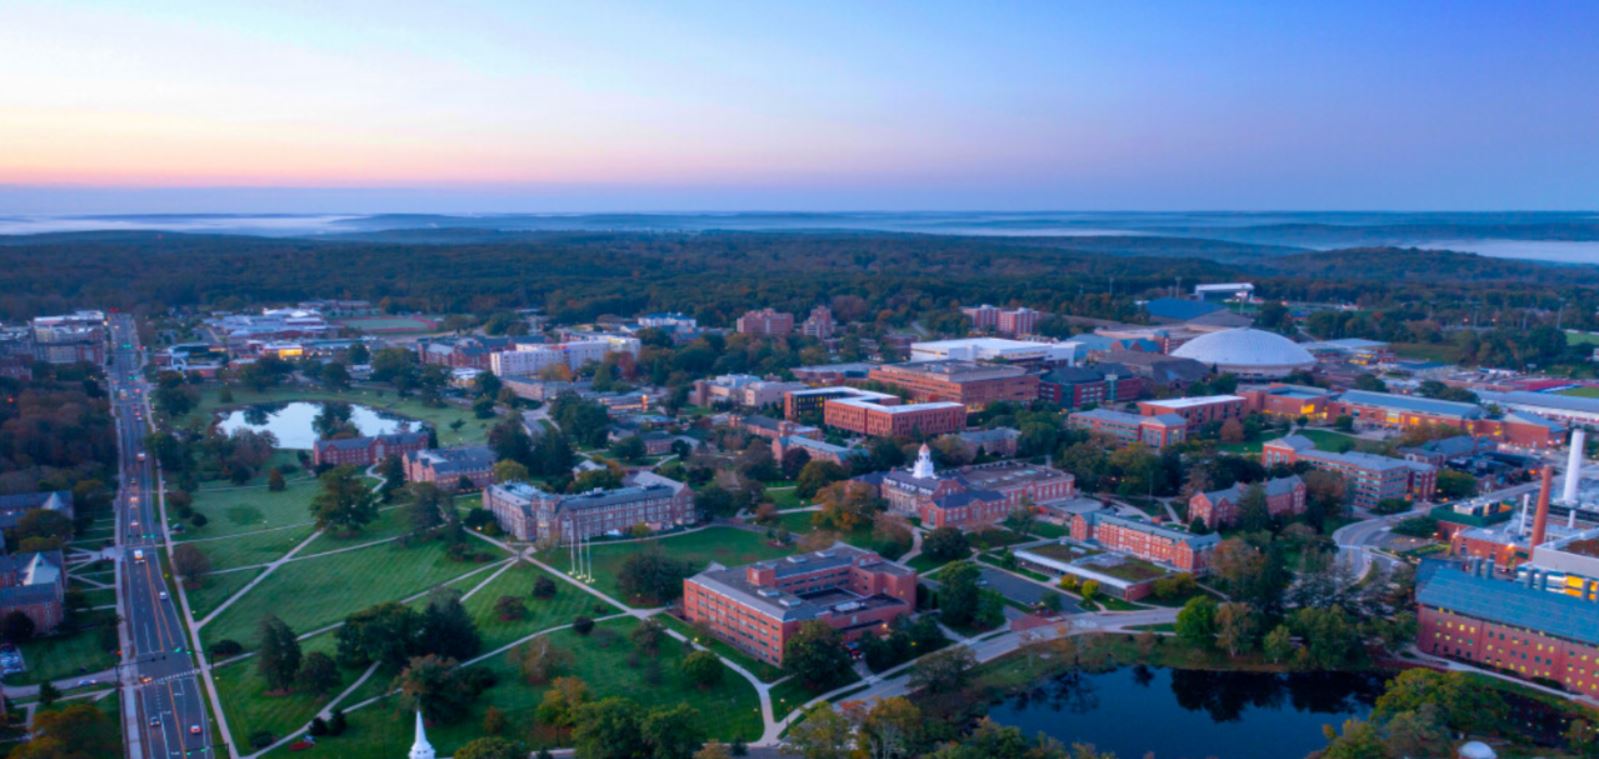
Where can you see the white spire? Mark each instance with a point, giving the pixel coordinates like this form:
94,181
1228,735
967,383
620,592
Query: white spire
421,749
923,470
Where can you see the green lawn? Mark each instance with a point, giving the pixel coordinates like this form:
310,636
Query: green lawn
1582,392
785,498
251,508
1582,338
1050,530
251,549
542,613
63,656
1442,352
728,710
472,430
315,592
727,546
763,671
250,709
790,694
392,522
216,588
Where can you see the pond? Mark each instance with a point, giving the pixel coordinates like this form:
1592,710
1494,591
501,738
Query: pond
1191,714
292,424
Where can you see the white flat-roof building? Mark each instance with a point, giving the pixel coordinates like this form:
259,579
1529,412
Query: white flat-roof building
993,349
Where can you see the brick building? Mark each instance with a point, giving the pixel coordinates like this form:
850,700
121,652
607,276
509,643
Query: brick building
1369,477
1145,540
874,417
1390,411
1198,411
36,585
758,607
969,383
1520,628
444,467
366,451
767,323
1289,401
1101,384
971,497
817,450
528,513
472,352
1285,497
1156,431
819,324
1003,321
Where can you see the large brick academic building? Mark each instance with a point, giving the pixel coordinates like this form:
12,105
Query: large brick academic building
758,607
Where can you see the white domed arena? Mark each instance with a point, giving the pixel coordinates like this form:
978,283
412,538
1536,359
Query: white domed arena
1247,353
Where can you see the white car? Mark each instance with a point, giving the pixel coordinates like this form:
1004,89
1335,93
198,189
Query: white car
164,596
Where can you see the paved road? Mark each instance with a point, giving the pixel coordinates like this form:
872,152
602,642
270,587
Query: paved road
166,705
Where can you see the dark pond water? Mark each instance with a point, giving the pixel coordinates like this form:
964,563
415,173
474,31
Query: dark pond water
1190,714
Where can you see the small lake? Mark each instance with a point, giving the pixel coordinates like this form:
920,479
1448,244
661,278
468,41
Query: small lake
292,422
1191,714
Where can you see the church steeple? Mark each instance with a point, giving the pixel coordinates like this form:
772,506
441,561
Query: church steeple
421,749
924,470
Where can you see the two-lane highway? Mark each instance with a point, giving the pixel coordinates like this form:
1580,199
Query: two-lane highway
160,676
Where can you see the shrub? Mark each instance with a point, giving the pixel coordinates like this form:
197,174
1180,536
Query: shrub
582,625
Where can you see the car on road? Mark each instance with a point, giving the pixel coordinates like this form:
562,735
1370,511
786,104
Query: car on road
155,722
138,554
83,683
194,730
164,596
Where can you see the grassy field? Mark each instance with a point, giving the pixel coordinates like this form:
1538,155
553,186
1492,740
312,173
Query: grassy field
728,710
1441,352
315,592
724,545
1581,392
785,498
231,510
216,588
250,709
391,523
790,694
1328,440
472,430
766,673
542,613
64,656
1582,338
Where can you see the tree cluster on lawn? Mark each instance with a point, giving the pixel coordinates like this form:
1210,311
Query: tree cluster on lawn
907,640
963,602
392,633
344,503
651,576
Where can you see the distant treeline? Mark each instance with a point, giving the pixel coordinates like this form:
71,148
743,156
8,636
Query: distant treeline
717,276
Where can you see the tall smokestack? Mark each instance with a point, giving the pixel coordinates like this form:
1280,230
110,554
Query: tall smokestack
1540,520
1579,438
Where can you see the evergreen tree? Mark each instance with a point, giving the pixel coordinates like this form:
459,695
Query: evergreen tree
278,655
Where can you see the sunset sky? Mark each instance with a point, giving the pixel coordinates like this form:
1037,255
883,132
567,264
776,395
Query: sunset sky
574,106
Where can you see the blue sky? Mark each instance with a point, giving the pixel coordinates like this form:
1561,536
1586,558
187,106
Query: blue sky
595,106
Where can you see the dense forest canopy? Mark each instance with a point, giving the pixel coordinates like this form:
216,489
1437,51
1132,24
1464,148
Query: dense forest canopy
716,276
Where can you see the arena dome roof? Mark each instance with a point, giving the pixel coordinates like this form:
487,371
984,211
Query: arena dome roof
1247,353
